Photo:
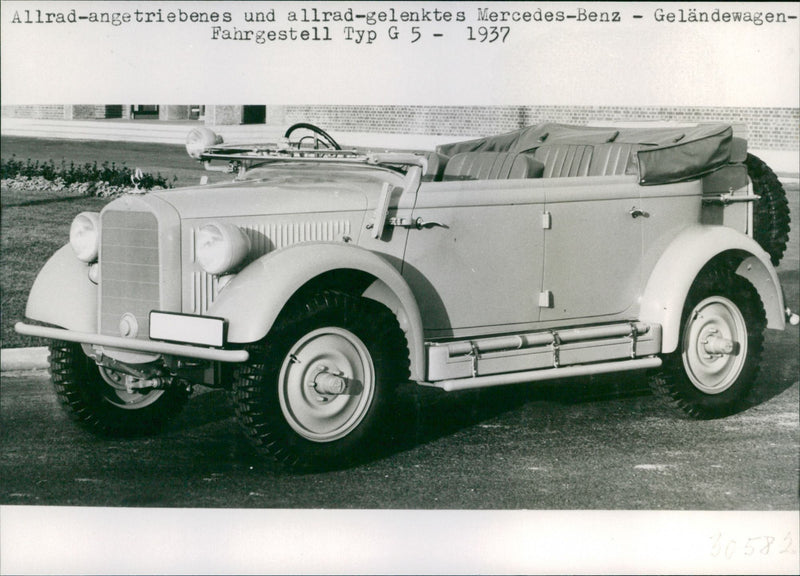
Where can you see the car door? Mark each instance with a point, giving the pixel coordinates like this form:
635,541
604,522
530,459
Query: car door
475,258
592,247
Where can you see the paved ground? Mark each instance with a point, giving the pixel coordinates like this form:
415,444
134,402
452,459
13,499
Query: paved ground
601,443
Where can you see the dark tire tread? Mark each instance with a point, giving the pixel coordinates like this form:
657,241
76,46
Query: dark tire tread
673,385
255,384
771,219
78,385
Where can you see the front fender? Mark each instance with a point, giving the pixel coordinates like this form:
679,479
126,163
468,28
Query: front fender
669,284
253,299
63,295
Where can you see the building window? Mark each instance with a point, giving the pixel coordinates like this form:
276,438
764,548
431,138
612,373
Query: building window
144,111
254,114
113,111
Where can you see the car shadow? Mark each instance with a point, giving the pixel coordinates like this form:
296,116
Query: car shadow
424,415
428,414
780,365
205,407
432,414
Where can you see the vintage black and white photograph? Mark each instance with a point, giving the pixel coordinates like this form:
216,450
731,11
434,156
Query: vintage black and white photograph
400,287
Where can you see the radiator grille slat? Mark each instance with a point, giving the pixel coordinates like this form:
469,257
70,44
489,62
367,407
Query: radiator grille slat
129,269
264,238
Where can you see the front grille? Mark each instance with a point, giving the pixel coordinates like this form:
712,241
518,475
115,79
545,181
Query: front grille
129,270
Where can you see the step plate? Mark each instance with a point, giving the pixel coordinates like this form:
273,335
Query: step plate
444,364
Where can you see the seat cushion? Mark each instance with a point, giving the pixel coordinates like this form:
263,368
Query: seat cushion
435,166
613,159
492,166
563,160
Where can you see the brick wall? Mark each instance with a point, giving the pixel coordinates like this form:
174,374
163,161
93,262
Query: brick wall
767,128
59,111
219,115
49,112
88,112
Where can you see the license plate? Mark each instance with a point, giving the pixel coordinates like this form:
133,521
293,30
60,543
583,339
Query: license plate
187,328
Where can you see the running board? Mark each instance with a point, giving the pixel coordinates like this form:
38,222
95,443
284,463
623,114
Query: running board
546,374
542,350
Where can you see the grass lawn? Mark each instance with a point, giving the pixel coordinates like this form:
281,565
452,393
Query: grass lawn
30,235
34,224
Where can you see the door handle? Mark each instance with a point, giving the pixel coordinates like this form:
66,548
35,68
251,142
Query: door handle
417,223
636,212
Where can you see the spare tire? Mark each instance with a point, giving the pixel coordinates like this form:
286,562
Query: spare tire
771,212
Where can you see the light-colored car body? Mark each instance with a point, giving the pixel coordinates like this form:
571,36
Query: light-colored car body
500,263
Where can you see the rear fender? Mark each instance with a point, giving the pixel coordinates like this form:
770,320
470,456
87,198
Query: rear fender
63,295
253,299
675,272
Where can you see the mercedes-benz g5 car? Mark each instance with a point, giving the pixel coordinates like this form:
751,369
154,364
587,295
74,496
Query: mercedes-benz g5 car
320,278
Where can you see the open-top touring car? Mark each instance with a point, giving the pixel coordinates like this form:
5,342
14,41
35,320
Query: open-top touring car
320,278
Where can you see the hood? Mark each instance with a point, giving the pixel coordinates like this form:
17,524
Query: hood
283,190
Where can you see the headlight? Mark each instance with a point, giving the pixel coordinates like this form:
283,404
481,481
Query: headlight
84,236
220,248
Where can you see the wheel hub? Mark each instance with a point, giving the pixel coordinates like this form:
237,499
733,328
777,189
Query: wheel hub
715,341
716,345
127,391
324,382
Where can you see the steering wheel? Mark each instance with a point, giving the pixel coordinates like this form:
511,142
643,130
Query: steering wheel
317,134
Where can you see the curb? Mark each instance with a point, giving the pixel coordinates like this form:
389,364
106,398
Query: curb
19,359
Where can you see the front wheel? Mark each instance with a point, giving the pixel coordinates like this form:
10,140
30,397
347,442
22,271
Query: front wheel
107,402
719,354
317,393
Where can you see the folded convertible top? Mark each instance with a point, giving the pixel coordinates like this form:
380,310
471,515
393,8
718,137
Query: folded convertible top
664,154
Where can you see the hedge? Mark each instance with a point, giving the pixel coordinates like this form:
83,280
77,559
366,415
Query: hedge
87,179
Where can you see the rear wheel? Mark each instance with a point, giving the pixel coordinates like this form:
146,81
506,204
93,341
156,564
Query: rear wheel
719,353
108,402
771,212
318,391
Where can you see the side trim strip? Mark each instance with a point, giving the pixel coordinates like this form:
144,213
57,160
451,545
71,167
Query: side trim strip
545,374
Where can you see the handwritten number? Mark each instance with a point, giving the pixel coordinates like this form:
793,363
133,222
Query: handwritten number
763,545
788,540
716,547
748,548
730,549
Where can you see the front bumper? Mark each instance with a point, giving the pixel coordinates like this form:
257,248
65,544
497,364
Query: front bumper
181,350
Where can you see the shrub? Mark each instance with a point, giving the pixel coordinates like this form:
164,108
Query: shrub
89,178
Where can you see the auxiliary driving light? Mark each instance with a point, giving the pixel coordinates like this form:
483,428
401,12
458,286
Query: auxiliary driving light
220,248
84,236
199,139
